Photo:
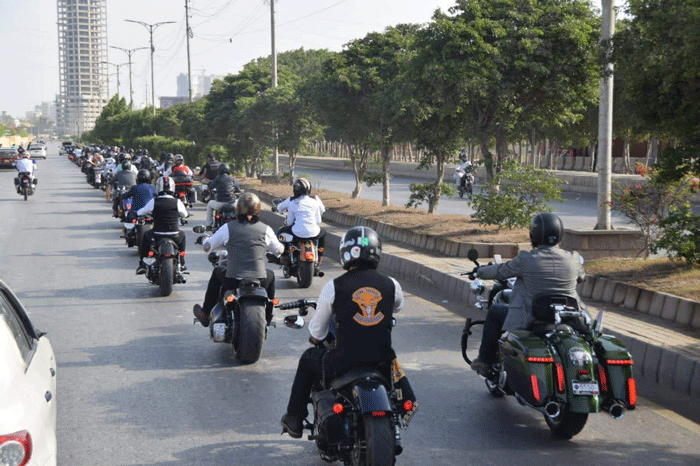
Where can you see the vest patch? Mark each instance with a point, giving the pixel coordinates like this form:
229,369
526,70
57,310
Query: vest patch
367,298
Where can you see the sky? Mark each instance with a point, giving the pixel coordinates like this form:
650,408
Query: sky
227,34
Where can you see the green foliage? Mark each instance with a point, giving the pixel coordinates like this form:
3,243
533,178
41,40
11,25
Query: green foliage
515,195
156,144
680,235
373,178
428,192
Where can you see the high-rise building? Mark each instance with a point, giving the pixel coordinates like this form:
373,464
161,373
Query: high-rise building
182,85
82,57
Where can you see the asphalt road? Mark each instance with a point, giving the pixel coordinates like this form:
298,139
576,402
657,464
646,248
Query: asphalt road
139,384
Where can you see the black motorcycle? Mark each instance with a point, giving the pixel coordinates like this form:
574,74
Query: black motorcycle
133,231
359,415
165,270
25,187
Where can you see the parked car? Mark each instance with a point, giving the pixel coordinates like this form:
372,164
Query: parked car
8,157
27,389
37,151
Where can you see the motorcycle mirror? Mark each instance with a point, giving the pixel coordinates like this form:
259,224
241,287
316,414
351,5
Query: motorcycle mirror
393,321
199,229
599,322
497,258
473,255
294,321
200,239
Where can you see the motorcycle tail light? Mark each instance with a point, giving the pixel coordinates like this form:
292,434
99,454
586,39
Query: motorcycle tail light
560,377
275,302
338,408
167,256
230,298
535,388
408,406
378,413
182,253
542,360
602,379
16,449
620,362
133,221
632,391
218,216
309,256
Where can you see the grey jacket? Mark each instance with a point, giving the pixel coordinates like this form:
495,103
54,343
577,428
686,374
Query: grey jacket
546,268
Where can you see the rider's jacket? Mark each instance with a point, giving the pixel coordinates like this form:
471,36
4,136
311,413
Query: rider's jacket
545,268
165,214
25,166
363,306
225,186
304,214
140,195
246,246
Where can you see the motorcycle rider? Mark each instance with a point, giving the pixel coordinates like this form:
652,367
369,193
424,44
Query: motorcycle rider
462,170
141,193
226,186
546,267
166,210
181,174
303,216
25,165
210,170
125,177
360,304
246,239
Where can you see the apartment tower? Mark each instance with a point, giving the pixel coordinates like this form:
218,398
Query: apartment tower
82,57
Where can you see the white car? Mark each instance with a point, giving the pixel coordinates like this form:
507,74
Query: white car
27,389
37,151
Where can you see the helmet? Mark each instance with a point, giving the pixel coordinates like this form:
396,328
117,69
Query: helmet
301,186
546,229
178,159
143,176
165,184
126,165
145,152
223,168
463,156
248,204
360,246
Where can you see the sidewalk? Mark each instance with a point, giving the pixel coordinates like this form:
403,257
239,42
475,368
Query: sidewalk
666,354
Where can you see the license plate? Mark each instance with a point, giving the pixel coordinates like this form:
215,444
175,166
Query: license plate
585,388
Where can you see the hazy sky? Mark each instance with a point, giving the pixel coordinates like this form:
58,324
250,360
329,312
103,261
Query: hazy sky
227,34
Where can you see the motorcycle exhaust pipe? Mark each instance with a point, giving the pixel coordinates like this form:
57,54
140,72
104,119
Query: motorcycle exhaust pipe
552,409
616,410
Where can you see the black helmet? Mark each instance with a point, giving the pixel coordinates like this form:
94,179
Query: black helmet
248,204
223,168
360,246
301,186
126,165
546,229
143,176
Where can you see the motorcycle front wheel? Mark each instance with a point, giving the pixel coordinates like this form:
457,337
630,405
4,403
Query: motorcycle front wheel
378,442
305,274
166,277
251,331
567,424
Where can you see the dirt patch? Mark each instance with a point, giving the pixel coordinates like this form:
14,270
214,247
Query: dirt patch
652,274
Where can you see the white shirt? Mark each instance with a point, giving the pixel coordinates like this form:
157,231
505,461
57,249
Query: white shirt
25,165
318,327
304,214
148,208
221,237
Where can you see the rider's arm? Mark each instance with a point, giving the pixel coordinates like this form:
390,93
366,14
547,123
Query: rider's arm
181,209
147,209
512,268
398,296
321,207
318,327
284,205
273,244
217,240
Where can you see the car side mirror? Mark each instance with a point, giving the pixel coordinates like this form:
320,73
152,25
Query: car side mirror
294,321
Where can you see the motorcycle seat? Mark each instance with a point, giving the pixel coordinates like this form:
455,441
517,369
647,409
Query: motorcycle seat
356,374
227,208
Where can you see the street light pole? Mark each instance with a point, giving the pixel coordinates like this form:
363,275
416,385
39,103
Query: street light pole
275,152
117,66
129,52
151,28
189,35
605,117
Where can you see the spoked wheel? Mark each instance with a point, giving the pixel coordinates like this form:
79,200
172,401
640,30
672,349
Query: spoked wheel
567,424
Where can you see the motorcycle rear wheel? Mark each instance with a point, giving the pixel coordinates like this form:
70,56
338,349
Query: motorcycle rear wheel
24,192
166,277
567,424
251,332
305,274
378,441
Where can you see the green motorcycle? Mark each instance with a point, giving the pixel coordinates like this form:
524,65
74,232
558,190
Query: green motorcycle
562,366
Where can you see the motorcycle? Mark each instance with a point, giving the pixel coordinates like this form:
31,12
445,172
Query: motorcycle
184,190
207,194
124,205
464,181
239,318
133,231
562,366
25,187
165,270
359,415
300,257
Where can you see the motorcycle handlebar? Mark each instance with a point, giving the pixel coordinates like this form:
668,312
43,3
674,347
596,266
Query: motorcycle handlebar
301,303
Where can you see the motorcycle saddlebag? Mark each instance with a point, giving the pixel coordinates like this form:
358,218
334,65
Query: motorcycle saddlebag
615,371
528,362
328,424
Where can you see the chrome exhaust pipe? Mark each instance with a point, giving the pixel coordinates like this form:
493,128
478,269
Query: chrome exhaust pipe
552,409
616,410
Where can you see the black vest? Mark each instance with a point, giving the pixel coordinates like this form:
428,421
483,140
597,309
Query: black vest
165,214
246,250
224,188
364,309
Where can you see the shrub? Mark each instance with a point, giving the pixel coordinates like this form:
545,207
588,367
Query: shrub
680,235
427,192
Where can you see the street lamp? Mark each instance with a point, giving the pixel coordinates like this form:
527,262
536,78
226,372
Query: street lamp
151,28
117,66
129,52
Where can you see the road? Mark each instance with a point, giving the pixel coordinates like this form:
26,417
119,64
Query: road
139,384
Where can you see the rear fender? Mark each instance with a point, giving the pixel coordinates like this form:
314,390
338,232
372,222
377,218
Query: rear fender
371,396
566,348
307,247
167,249
527,359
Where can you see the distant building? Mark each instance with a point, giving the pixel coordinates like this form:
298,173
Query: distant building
167,102
182,88
82,57
201,85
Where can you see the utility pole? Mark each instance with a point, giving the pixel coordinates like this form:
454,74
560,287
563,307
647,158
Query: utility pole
605,117
151,28
129,52
117,66
189,35
275,153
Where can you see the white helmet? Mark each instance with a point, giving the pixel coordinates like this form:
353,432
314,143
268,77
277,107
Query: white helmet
165,184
